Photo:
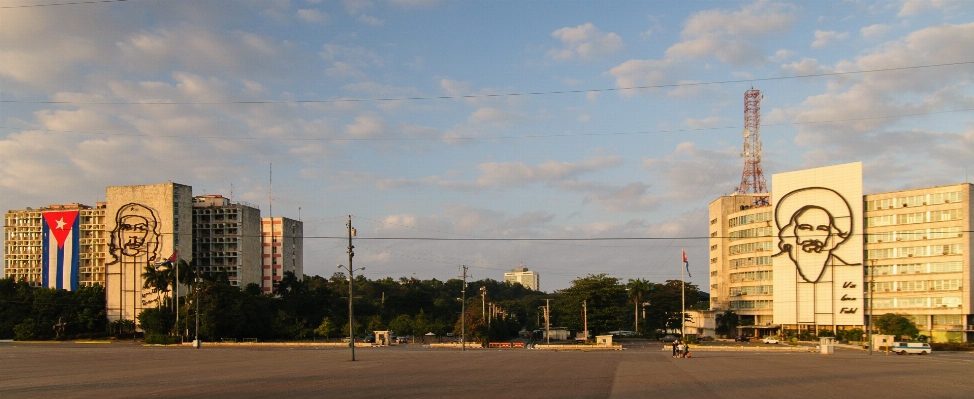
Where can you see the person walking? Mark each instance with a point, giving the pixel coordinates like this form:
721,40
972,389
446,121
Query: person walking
674,349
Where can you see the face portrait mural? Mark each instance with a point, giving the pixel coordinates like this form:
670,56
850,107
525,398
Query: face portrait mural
813,223
136,234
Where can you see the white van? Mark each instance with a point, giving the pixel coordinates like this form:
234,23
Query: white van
903,348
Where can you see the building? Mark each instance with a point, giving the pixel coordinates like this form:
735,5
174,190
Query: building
146,225
523,276
797,263
918,257
282,245
741,276
81,247
226,239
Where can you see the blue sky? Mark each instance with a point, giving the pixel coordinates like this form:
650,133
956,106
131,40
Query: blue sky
418,118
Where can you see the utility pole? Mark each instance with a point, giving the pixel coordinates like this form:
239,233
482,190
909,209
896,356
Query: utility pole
585,317
351,282
547,321
196,340
483,304
463,312
869,310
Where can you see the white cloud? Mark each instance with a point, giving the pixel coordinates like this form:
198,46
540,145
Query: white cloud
585,118
370,20
312,15
731,37
823,38
640,73
708,122
875,30
914,7
584,42
367,126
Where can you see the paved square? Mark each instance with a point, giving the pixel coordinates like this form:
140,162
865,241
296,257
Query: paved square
127,370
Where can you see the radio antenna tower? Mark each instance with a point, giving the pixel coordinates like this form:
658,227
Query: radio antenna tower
752,180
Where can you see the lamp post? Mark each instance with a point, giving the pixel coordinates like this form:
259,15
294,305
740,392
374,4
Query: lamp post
869,310
351,282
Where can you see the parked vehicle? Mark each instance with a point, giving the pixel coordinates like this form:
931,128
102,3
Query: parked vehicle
905,348
770,340
669,338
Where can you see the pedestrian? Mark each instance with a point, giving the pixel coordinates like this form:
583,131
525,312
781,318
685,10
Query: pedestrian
686,350
679,349
674,349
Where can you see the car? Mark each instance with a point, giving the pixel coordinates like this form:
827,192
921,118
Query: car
904,348
741,338
370,339
402,340
669,338
770,340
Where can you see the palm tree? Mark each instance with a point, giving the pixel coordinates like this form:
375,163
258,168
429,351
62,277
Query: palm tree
638,289
158,278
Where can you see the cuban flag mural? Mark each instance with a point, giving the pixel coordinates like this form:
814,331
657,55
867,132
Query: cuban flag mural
60,250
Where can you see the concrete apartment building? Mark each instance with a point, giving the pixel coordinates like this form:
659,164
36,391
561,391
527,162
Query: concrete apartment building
226,239
282,246
918,258
111,244
523,276
913,245
24,242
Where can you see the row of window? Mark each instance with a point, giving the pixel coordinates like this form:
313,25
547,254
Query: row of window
752,276
750,247
751,233
914,235
921,302
748,219
914,268
752,290
919,285
758,304
913,217
909,252
914,200
750,261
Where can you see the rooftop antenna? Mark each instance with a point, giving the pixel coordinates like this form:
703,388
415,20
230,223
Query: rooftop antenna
231,191
752,179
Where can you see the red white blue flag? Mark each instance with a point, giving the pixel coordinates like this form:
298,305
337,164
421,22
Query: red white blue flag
685,263
59,259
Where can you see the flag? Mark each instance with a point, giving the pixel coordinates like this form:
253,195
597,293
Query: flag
685,263
59,250
173,257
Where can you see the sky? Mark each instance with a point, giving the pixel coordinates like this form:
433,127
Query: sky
480,133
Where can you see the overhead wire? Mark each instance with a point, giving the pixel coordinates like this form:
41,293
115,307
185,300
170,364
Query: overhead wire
476,96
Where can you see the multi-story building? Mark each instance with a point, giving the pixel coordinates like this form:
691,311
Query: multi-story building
282,245
918,258
741,275
226,239
79,241
798,263
146,225
523,276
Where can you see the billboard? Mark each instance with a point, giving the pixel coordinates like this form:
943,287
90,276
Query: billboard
818,274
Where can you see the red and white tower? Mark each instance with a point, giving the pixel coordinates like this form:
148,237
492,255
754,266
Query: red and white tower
752,180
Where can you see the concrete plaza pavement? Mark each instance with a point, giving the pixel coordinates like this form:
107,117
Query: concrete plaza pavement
128,370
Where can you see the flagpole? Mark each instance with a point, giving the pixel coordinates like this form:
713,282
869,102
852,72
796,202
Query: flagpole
683,295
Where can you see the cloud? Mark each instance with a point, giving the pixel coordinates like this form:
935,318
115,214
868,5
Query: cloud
875,30
915,7
584,42
641,73
731,37
708,122
823,38
370,20
367,126
509,174
495,117
312,15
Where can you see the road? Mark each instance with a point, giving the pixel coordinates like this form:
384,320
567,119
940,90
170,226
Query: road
128,370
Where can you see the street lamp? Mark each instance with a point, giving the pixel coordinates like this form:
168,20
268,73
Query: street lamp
351,315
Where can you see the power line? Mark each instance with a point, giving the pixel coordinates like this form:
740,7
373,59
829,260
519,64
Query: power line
65,4
512,137
474,96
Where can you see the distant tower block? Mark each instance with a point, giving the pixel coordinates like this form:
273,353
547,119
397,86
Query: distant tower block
752,180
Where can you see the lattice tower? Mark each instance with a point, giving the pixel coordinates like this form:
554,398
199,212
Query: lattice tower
752,180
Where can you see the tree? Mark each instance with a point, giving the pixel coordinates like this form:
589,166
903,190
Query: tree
401,325
605,298
326,329
638,288
727,322
896,325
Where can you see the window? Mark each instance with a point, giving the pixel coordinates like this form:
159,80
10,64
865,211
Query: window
945,267
947,320
946,302
911,268
911,218
883,286
750,247
751,233
943,198
945,215
911,285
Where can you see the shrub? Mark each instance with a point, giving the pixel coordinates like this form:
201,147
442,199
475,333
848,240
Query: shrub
25,331
159,339
951,346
